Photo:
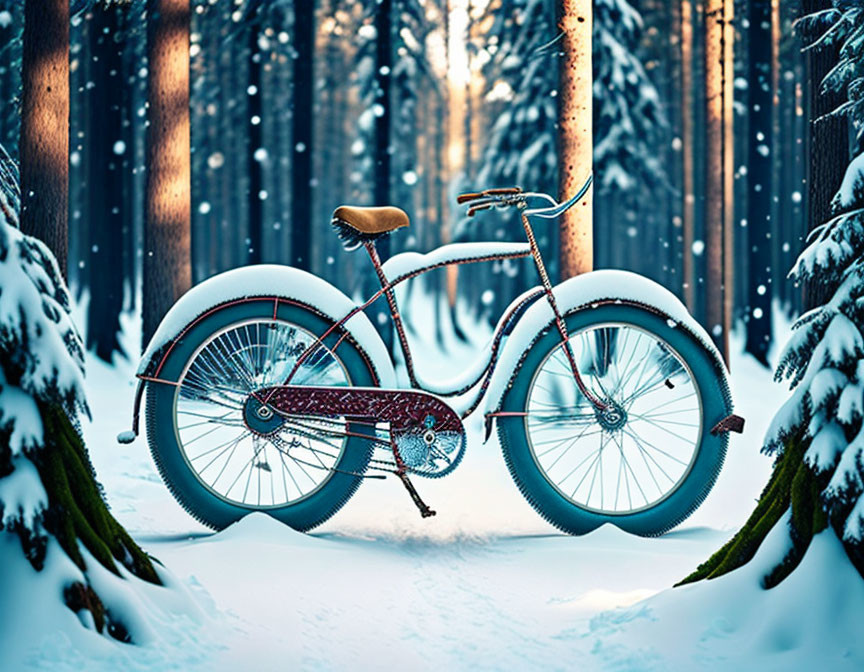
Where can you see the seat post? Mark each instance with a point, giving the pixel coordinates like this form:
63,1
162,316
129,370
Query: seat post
394,309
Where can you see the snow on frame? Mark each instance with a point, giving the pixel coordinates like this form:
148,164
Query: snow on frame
407,263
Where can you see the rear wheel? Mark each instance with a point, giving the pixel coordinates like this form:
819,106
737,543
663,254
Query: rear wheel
647,460
201,430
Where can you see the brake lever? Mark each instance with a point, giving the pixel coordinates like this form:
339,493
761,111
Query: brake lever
481,206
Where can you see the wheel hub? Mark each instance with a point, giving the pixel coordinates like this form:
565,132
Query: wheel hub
260,418
612,417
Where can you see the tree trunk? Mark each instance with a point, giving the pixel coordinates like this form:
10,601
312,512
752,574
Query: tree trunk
575,135
167,254
760,152
106,185
256,177
302,191
77,516
827,141
792,485
687,160
728,171
381,192
44,143
468,168
716,147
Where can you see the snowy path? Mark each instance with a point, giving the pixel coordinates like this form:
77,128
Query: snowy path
486,584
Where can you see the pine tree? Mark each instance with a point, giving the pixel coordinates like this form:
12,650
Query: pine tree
49,497
818,434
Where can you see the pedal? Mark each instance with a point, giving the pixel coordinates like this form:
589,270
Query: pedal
425,511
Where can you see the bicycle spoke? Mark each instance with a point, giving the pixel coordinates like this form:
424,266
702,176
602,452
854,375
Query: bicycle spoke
625,367
660,450
213,390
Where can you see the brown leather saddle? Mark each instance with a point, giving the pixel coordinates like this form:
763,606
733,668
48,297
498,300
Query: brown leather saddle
358,225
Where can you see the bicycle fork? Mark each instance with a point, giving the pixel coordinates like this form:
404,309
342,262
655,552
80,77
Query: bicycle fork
598,404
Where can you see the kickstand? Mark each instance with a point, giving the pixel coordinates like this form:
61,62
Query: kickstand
425,511
401,472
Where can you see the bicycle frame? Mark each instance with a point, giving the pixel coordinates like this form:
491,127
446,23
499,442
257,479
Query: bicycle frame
483,200
387,290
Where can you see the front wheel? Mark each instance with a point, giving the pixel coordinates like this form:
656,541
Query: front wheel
200,432
644,463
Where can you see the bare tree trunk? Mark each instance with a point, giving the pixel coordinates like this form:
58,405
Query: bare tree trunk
167,253
468,168
44,144
381,195
728,171
575,129
301,172
107,165
760,155
826,141
256,176
716,146
689,199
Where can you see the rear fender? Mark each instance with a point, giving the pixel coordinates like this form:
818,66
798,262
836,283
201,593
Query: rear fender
251,284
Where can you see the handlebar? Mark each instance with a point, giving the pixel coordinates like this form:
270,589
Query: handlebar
508,196
500,191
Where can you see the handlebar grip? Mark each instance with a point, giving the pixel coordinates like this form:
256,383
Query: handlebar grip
464,198
503,191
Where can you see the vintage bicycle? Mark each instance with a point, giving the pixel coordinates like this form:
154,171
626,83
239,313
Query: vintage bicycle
269,390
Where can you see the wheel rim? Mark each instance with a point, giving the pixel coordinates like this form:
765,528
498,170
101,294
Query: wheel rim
237,465
638,451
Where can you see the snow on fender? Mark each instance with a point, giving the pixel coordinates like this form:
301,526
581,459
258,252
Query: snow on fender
581,292
268,280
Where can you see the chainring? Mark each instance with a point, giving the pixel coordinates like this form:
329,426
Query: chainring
428,434
429,453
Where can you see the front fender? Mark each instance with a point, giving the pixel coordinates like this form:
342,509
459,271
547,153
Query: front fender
269,282
580,293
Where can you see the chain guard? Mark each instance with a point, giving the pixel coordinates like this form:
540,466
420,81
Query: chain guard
428,433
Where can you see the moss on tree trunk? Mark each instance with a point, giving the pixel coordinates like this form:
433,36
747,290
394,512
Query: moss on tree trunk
793,485
78,516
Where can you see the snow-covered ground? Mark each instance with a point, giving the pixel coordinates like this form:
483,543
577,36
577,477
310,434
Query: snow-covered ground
486,584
